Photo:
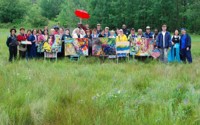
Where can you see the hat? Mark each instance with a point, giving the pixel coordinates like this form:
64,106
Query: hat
148,27
183,29
22,28
98,24
106,27
112,31
120,30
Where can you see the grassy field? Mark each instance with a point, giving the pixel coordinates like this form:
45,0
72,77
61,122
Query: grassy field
89,93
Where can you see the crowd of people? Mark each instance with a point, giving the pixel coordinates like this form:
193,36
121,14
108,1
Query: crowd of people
178,44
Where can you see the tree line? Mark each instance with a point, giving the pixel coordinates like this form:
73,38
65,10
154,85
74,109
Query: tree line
112,13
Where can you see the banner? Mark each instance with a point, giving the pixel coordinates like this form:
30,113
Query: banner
104,46
123,47
143,46
81,46
57,45
97,47
69,47
77,46
109,48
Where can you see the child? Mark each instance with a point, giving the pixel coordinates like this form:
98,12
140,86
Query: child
12,44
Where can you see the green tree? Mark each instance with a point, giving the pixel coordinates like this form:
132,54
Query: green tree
67,17
12,10
51,8
35,18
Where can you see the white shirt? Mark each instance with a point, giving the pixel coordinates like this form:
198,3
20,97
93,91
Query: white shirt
163,33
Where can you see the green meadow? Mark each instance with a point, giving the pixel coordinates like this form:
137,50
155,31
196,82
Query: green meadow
87,92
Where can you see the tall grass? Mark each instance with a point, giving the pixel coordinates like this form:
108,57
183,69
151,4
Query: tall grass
89,92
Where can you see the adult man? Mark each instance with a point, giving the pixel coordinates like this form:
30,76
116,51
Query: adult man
140,33
148,33
185,46
125,30
132,35
99,28
163,43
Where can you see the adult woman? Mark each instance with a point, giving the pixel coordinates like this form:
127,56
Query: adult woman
88,35
46,35
51,37
22,48
40,43
66,35
78,34
174,54
95,33
33,47
102,34
12,44
112,34
30,38
121,37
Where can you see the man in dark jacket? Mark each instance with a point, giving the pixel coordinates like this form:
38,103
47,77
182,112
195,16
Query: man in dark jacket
12,44
148,34
125,30
185,46
163,42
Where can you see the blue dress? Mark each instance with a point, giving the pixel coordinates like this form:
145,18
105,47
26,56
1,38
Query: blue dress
174,53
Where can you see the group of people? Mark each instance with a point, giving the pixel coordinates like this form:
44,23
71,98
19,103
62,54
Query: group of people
179,44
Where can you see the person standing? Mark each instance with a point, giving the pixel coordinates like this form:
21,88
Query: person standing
30,38
45,29
22,48
80,29
148,34
34,41
99,28
155,33
121,37
174,53
163,42
125,30
78,34
112,34
94,33
88,35
107,33
185,46
132,36
102,34
140,34
12,45
66,35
